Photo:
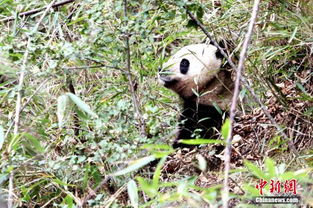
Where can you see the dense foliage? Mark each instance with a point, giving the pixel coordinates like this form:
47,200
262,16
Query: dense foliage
79,122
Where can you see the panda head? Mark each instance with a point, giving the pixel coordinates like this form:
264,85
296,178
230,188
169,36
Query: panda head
194,68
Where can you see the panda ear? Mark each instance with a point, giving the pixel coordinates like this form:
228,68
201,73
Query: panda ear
228,47
218,54
224,45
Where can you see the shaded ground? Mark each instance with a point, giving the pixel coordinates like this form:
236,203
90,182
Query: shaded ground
255,138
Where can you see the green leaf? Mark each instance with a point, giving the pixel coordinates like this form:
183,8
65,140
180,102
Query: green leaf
60,182
4,1
226,129
200,13
35,142
219,110
133,193
255,170
68,201
157,172
251,190
62,108
270,166
14,142
158,150
195,92
156,147
242,94
300,86
136,165
1,136
147,187
81,104
293,35
201,141
77,20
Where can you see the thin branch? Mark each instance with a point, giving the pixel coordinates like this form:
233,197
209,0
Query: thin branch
17,118
34,11
19,101
97,66
24,105
243,53
109,202
19,92
131,84
231,63
92,192
10,195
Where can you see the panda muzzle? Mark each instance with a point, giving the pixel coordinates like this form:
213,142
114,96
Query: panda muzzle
168,81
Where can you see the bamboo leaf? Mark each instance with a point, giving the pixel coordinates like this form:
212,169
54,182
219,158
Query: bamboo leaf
62,108
133,193
201,141
136,165
226,129
81,104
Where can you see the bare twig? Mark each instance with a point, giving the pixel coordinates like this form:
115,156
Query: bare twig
71,89
131,84
34,93
97,66
91,192
109,202
34,11
19,101
17,117
24,105
243,53
19,93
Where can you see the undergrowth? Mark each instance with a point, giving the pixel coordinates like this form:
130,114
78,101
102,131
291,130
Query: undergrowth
78,123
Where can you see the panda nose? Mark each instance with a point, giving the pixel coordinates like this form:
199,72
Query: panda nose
159,69
165,78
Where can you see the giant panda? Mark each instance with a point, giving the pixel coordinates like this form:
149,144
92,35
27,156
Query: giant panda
196,74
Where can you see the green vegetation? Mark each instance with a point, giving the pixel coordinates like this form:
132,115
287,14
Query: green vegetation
81,140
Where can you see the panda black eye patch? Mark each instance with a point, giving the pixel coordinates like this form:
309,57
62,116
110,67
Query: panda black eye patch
184,66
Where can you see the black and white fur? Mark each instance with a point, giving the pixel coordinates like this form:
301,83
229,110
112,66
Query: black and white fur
195,74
